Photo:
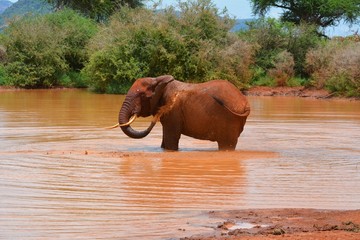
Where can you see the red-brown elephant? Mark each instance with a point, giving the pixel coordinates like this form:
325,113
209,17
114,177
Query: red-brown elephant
214,110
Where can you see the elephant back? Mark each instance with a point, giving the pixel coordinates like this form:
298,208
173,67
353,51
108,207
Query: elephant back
227,95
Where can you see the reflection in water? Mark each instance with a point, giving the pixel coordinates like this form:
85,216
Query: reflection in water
185,180
63,176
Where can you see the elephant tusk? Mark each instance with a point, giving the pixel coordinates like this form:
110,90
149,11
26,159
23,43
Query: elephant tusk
132,119
112,127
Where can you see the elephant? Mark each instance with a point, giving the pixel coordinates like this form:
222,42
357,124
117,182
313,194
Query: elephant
215,110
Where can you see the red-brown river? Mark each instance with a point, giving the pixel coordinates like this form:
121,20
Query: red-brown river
63,176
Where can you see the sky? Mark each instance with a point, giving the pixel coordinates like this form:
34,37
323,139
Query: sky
236,8
241,9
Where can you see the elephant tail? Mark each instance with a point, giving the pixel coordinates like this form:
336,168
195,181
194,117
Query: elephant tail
243,114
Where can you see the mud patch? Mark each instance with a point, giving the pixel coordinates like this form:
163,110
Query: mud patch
286,224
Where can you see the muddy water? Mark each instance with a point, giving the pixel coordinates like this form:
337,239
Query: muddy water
63,177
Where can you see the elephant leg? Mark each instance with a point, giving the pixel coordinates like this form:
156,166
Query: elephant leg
229,140
227,145
170,140
171,133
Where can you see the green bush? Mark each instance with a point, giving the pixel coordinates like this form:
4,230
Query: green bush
72,79
3,79
335,66
343,85
269,37
301,39
42,49
34,58
75,31
262,79
193,45
272,37
110,70
283,69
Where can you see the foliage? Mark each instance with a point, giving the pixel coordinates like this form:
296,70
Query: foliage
301,39
283,69
75,32
260,78
42,49
234,62
72,79
269,37
3,79
273,37
98,10
335,65
321,13
193,44
111,70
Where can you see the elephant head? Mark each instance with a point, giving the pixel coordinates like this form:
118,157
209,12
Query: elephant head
142,100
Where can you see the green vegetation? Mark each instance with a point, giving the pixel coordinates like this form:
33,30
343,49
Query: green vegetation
335,65
43,50
97,10
281,50
194,44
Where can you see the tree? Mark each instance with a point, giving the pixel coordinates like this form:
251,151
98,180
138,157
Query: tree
321,13
99,10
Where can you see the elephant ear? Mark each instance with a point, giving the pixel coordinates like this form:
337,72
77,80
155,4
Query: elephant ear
160,84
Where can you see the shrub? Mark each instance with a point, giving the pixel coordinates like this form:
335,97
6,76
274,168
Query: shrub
75,31
301,39
3,79
234,62
335,65
260,78
34,58
42,49
110,70
272,37
3,55
72,79
283,69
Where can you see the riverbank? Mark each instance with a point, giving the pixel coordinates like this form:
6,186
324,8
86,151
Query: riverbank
288,91
295,224
262,91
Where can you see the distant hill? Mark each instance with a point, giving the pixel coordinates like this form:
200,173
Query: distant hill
22,7
4,4
240,24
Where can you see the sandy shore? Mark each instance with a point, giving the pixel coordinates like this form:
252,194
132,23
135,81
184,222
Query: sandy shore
298,224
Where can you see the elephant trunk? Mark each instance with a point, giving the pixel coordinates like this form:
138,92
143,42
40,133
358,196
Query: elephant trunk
126,112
